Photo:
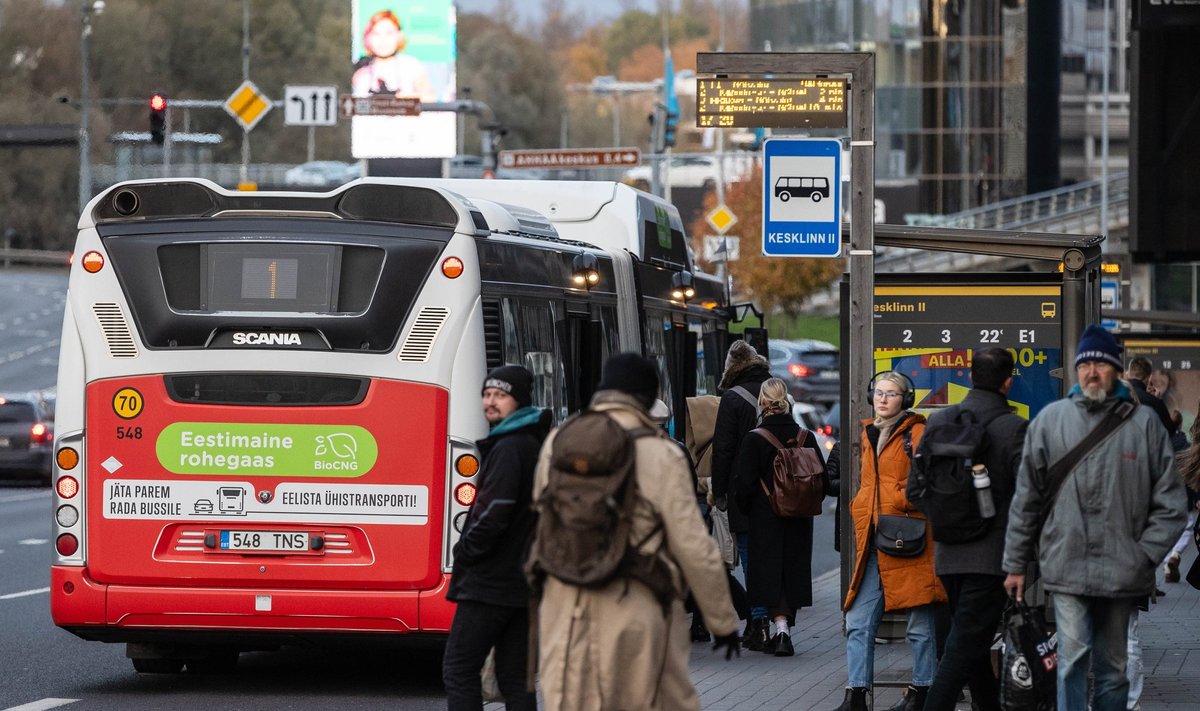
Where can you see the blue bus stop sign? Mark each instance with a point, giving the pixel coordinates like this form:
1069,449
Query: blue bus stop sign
802,204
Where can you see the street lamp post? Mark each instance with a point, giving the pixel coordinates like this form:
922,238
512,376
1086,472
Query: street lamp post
87,9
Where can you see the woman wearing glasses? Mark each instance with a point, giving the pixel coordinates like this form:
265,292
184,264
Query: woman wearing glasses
884,581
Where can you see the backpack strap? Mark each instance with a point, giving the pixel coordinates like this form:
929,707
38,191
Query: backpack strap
1058,472
766,434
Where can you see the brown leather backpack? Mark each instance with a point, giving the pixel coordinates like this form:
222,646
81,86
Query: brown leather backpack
798,482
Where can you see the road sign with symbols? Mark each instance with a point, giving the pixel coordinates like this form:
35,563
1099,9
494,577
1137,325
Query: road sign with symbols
567,159
310,105
247,105
721,249
721,219
379,105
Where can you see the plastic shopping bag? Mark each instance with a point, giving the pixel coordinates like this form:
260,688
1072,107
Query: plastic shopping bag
487,676
1029,675
725,541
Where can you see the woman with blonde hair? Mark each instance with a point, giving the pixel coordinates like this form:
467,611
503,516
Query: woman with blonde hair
779,577
883,582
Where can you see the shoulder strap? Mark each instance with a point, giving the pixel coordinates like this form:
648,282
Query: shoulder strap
1056,476
766,434
746,396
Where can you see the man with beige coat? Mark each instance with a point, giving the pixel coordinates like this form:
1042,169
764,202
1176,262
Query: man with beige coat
614,647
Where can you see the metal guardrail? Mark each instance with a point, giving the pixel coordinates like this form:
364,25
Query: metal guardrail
10,257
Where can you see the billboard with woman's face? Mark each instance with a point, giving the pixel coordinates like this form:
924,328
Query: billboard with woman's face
404,48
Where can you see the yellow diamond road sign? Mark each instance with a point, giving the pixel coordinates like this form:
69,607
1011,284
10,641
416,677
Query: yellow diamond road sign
247,105
721,219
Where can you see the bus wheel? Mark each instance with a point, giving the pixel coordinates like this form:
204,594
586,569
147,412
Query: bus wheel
157,665
218,661
785,196
816,197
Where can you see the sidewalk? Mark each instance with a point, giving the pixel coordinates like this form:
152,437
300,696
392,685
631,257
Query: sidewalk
816,676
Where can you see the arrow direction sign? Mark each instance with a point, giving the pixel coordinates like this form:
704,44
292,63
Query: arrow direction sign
570,159
309,105
247,105
379,105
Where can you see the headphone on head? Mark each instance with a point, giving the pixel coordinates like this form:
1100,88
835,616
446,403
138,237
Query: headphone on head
907,400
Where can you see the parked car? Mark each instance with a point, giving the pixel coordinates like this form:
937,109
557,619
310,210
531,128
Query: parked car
322,174
810,368
810,418
693,171
26,438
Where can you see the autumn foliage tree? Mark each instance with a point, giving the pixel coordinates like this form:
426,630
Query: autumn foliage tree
774,283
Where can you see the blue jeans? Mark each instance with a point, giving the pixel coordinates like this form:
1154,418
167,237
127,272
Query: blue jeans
1092,631
743,544
862,623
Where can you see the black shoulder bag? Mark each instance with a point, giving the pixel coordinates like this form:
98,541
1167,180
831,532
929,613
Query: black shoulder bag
897,535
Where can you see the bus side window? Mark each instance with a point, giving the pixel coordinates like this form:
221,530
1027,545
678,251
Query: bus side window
512,339
537,344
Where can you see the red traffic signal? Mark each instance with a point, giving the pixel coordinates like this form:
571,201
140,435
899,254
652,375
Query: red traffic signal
158,118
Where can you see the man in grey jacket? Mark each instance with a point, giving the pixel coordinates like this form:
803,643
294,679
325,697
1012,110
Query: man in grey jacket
1114,519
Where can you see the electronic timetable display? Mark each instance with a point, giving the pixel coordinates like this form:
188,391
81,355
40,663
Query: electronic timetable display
755,102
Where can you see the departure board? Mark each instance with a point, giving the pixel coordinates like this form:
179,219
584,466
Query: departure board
1182,354
771,103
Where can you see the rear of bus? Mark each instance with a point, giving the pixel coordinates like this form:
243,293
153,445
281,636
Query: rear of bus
263,399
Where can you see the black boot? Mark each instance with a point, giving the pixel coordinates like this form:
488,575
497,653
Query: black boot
759,635
914,699
856,700
781,645
699,631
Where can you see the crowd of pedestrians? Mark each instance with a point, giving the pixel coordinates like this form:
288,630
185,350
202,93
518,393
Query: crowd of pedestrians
583,544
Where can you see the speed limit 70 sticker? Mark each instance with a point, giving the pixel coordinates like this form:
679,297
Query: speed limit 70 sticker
127,403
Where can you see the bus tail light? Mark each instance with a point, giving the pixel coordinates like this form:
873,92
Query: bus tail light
66,544
67,459
92,262
467,465
67,515
452,267
67,487
465,494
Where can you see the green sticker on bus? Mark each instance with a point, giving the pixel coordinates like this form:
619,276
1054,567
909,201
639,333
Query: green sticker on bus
662,222
266,449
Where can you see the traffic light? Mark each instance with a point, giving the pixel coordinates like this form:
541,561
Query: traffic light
158,118
669,127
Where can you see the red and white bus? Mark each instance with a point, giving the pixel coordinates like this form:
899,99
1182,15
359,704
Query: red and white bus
268,402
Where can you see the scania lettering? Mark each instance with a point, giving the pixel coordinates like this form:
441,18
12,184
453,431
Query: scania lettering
314,491
266,339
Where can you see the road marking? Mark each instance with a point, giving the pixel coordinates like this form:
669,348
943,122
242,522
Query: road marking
24,497
33,541
42,705
25,593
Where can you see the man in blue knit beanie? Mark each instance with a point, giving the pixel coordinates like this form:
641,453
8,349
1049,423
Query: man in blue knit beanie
1102,533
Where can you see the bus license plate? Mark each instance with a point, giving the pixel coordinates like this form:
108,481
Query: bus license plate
274,541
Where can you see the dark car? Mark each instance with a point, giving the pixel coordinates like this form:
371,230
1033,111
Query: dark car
810,368
26,439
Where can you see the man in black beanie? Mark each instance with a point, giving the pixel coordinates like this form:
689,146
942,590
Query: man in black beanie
632,374
488,583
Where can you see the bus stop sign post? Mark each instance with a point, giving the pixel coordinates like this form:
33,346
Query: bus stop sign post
860,67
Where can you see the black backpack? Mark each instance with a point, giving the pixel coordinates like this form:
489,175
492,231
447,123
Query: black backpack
940,484
586,510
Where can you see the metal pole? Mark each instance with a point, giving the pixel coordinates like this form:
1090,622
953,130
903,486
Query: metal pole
1105,246
721,131
312,143
85,133
245,171
616,117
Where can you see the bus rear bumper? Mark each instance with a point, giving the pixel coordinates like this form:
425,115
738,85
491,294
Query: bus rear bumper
119,613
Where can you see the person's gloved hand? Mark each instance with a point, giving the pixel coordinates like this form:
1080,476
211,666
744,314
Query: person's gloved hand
731,642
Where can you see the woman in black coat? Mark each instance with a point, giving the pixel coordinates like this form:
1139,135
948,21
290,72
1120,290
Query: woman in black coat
780,574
